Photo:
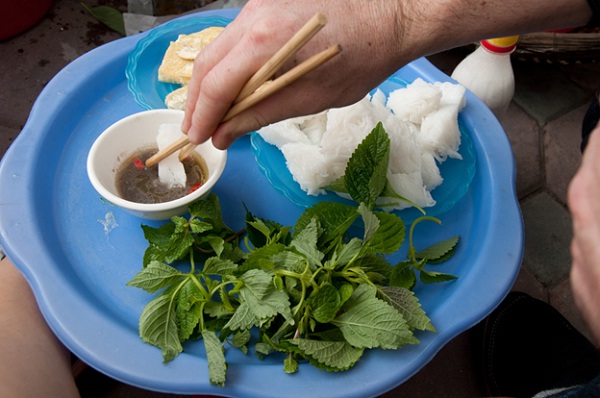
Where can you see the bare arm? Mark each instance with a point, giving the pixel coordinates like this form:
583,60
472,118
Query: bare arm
378,37
34,363
584,192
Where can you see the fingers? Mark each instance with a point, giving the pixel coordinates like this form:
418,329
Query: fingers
259,31
221,70
215,82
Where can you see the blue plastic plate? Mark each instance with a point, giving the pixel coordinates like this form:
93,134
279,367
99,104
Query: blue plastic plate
457,174
143,63
78,252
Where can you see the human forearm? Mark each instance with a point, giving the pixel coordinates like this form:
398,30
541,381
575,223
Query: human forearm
445,24
378,37
34,363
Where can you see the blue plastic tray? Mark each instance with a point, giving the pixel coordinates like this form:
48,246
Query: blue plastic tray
60,234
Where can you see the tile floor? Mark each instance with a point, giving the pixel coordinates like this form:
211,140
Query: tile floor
543,125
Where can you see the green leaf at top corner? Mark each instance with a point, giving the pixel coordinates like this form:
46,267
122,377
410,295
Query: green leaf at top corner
109,16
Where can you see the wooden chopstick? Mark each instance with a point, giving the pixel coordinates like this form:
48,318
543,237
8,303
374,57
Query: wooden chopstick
272,87
267,71
248,97
307,32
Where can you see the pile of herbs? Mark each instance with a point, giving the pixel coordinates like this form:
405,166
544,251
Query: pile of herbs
314,292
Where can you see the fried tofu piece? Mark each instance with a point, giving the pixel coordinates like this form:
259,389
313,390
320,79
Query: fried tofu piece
176,99
178,62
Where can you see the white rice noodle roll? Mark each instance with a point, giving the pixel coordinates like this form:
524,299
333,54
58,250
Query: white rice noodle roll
409,186
440,134
414,102
170,170
284,132
430,171
314,127
381,112
405,154
452,94
379,97
346,128
308,166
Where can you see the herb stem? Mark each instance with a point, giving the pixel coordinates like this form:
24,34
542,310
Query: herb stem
411,247
192,263
200,286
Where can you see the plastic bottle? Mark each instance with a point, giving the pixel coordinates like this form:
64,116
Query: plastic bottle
488,73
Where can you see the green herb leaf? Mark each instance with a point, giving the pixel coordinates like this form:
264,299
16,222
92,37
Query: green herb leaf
262,232
348,252
440,251
155,277
366,171
159,240
158,325
290,365
334,219
403,275
180,246
370,221
198,226
217,367
408,306
335,355
188,309
346,290
338,185
209,210
306,243
241,339
320,293
375,267
325,303
369,322
260,302
109,16
389,235
435,277
217,266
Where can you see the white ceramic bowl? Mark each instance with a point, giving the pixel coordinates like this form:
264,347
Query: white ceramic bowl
119,141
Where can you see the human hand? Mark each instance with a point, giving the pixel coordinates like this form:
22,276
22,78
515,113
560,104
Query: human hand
584,203
365,30
378,37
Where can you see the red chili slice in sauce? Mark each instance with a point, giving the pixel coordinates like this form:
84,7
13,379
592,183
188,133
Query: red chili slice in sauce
138,164
195,187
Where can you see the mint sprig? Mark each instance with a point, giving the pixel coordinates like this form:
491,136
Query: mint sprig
320,291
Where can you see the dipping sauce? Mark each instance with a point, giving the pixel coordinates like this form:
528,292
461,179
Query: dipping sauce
137,183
